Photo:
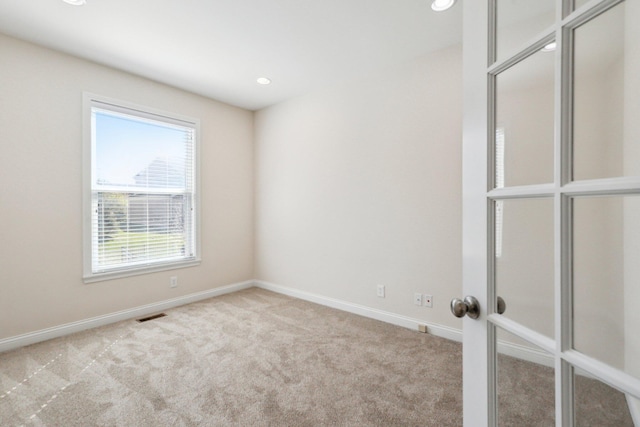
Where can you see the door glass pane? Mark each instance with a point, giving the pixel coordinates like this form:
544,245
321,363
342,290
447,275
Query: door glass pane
579,3
525,261
518,22
605,133
524,122
526,389
606,276
599,405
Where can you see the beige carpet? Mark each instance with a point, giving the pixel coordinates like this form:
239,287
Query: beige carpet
255,358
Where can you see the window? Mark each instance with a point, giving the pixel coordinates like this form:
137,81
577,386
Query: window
140,190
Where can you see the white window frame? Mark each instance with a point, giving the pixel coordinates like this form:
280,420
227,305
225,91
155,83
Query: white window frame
91,101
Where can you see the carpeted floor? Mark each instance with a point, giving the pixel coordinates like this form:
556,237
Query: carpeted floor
256,358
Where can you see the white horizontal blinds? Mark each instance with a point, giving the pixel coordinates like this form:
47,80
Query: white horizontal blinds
143,187
499,204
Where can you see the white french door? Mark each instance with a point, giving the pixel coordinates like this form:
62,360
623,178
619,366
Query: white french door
551,212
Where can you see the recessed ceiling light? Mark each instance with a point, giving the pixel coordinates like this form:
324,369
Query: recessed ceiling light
440,5
75,2
550,47
263,81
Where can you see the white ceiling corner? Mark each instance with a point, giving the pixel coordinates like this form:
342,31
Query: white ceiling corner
218,48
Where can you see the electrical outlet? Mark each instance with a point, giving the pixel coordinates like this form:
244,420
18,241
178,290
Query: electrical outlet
380,291
428,301
173,282
417,299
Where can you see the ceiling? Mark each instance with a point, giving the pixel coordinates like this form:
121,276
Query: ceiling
218,48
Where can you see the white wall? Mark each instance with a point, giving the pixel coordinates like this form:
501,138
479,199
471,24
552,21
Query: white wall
41,190
360,185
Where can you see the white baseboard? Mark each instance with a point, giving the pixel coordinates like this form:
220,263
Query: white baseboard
514,350
70,328
372,313
438,330
526,353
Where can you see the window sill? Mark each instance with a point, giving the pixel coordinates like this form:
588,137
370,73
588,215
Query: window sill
112,275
